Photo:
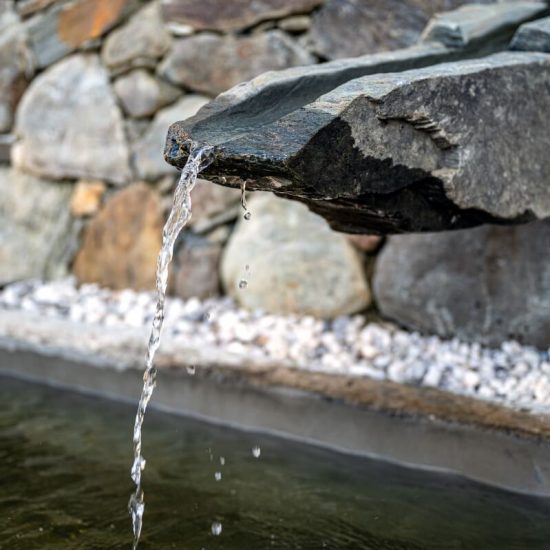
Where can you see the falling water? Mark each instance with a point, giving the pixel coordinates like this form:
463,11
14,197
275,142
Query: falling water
199,158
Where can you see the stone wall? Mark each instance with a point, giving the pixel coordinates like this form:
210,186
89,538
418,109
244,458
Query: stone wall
88,89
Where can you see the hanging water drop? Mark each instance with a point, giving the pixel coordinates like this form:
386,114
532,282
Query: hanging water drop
247,215
218,476
243,283
222,460
216,528
256,451
191,369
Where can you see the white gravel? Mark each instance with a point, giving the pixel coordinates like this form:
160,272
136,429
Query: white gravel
514,375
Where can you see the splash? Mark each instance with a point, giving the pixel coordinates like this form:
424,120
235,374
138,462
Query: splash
199,158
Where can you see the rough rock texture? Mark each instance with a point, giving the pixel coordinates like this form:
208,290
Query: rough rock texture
190,64
210,201
16,68
141,94
87,197
221,15
195,267
147,155
427,149
488,284
347,28
36,231
138,43
307,268
70,126
533,36
473,23
68,25
122,242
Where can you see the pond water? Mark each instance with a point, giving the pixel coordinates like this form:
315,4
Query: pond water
65,484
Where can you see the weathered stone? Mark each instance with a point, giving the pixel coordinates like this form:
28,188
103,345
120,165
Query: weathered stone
533,36
195,268
16,68
148,159
347,28
415,151
211,200
297,23
142,95
66,26
236,59
122,241
86,198
487,284
70,126
25,8
221,15
36,231
139,43
6,143
475,23
306,267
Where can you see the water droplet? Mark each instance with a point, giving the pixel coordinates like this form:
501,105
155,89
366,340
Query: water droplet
247,267
191,369
222,460
218,476
216,528
256,451
243,283
247,215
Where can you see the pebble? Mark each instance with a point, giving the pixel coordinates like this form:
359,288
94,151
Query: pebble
513,375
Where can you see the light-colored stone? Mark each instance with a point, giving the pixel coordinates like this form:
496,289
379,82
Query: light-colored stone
86,197
141,94
36,231
148,158
211,63
297,23
487,284
296,263
533,36
366,243
224,15
139,43
70,126
121,244
67,26
211,200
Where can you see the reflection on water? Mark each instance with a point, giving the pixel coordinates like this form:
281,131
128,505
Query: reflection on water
63,466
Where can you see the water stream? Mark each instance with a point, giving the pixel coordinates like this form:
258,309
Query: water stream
199,158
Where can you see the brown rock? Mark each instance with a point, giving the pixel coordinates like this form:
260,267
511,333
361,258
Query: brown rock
86,197
366,243
222,15
122,242
348,28
236,59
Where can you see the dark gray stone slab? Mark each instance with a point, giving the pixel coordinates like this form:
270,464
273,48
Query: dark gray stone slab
533,36
475,23
489,284
443,147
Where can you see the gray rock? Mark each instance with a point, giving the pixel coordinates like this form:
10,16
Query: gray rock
36,232
296,263
475,23
69,125
533,36
138,43
347,28
209,201
6,142
147,152
427,149
486,284
191,62
221,15
195,268
141,94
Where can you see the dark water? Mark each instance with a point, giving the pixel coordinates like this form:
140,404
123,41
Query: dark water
64,483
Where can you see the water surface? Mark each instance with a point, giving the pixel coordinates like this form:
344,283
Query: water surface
64,472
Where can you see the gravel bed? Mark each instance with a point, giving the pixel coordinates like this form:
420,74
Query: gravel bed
514,375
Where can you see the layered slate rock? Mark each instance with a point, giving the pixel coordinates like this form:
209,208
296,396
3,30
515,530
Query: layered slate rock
488,284
141,94
348,28
37,235
69,25
138,43
79,131
307,268
122,241
147,152
237,59
426,149
533,36
220,15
